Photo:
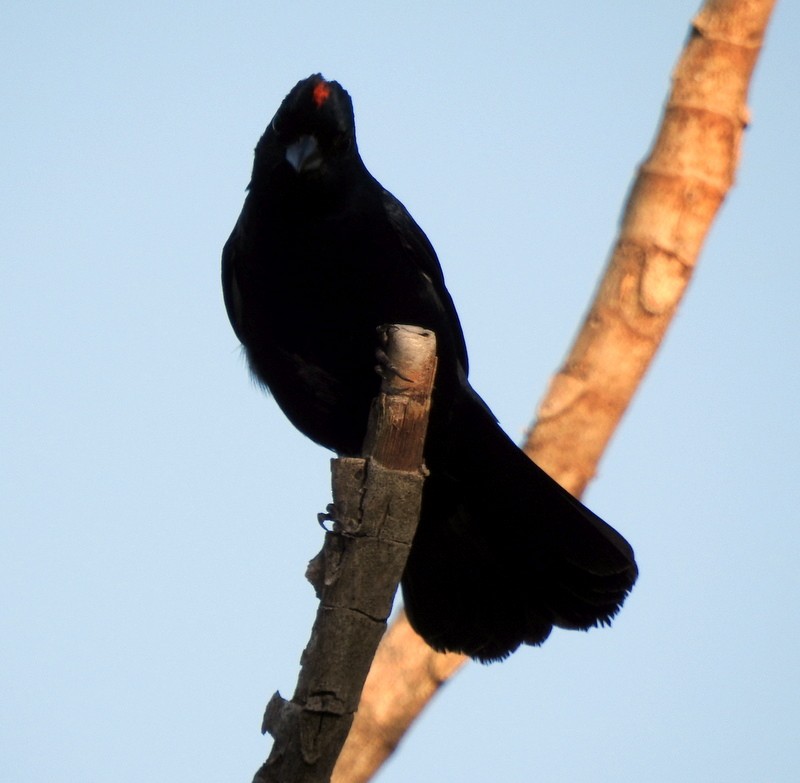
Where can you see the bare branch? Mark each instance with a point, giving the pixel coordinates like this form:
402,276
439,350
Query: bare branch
672,204
376,502
673,201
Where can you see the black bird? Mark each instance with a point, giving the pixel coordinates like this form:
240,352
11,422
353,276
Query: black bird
320,257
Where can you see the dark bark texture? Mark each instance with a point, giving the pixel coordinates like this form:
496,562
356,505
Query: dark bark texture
376,502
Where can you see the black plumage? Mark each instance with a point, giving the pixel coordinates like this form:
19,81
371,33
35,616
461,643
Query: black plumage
320,257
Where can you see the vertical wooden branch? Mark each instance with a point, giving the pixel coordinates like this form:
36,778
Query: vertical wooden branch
376,509
671,206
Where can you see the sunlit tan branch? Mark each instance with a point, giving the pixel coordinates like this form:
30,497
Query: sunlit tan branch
677,192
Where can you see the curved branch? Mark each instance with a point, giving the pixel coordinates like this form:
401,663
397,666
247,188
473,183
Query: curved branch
672,204
673,201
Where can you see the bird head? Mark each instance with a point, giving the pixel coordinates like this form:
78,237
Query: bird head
313,129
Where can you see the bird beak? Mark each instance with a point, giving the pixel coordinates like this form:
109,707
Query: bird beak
304,154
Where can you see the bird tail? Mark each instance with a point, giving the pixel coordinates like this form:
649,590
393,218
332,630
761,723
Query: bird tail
502,552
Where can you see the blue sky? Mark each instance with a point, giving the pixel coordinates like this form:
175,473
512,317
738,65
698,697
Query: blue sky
158,511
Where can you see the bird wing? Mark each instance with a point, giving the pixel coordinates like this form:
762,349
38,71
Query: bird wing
419,251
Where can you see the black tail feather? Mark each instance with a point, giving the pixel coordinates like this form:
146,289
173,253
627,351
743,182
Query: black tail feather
503,553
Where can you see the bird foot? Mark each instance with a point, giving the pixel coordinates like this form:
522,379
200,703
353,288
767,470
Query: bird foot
329,515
